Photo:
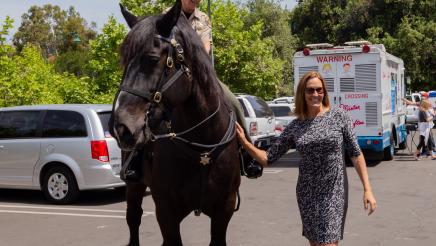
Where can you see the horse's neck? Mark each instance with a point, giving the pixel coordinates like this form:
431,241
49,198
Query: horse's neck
213,107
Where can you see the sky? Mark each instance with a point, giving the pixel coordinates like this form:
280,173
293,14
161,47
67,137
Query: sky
96,11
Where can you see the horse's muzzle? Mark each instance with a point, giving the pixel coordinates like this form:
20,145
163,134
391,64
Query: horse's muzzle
128,140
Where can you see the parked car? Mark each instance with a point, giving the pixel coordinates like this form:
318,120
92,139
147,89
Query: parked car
259,119
289,100
59,149
412,110
284,115
284,100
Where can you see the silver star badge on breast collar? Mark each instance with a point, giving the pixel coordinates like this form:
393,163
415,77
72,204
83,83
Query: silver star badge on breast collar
204,159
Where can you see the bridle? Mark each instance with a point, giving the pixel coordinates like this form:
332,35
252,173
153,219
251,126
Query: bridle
165,83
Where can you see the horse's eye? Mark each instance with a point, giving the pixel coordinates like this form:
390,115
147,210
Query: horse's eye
153,59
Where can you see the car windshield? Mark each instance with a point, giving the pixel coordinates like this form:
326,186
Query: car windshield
281,111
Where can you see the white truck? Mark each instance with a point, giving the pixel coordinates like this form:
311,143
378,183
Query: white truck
367,82
412,110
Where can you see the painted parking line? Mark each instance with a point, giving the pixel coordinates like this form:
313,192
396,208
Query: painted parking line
34,208
272,171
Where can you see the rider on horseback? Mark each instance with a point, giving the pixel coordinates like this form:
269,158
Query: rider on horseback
201,24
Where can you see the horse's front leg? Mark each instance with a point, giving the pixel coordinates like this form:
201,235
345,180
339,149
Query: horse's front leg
134,195
169,218
220,220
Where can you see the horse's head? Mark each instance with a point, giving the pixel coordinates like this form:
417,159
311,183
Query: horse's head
157,56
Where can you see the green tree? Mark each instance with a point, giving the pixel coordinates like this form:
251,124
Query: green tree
147,7
53,29
27,80
105,60
244,60
4,31
75,62
317,21
276,27
414,42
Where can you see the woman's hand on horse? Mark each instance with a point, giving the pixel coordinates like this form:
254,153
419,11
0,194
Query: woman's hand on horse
240,134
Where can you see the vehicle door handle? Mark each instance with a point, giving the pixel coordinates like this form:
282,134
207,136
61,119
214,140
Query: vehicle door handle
2,147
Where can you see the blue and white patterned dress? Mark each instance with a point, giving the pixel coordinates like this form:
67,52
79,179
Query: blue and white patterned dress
322,187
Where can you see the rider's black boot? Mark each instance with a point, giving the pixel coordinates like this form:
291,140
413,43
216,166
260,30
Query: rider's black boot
250,167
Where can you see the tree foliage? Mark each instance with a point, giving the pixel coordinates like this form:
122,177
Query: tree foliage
276,27
27,78
146,7
105,60
53,29
243,59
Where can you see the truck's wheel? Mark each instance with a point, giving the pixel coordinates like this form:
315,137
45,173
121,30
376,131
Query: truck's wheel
60,186
390,150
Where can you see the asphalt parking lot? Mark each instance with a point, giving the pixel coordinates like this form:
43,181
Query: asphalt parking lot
405,190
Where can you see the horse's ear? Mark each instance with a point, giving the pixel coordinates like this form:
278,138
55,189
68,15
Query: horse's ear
130,18
165,24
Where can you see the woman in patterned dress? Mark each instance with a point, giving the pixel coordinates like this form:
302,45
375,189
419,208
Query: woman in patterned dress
321,134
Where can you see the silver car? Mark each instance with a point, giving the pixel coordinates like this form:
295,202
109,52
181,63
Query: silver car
59,149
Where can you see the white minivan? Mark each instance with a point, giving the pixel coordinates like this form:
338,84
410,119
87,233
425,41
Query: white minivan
59,149
259,119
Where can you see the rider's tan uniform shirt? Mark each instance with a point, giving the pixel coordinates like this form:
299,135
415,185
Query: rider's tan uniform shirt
201,24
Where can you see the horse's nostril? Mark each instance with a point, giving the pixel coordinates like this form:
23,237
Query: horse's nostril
120,129
123,133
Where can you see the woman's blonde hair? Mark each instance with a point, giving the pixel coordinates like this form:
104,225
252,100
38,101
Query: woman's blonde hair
425,104
301,109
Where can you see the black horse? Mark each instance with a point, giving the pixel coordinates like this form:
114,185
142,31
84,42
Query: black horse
170,113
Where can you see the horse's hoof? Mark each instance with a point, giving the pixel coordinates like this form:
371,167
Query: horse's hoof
253,170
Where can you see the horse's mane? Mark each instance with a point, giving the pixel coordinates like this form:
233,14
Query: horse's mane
140,39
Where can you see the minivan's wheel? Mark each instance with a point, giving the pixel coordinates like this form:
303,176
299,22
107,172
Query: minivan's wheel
390,150
59,185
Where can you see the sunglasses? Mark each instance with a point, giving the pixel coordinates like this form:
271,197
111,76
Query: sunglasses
311,91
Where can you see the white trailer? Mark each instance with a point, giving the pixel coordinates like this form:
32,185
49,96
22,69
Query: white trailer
368,83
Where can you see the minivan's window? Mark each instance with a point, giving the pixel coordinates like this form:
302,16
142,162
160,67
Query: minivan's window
104,119
260,107
19,124
59,123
